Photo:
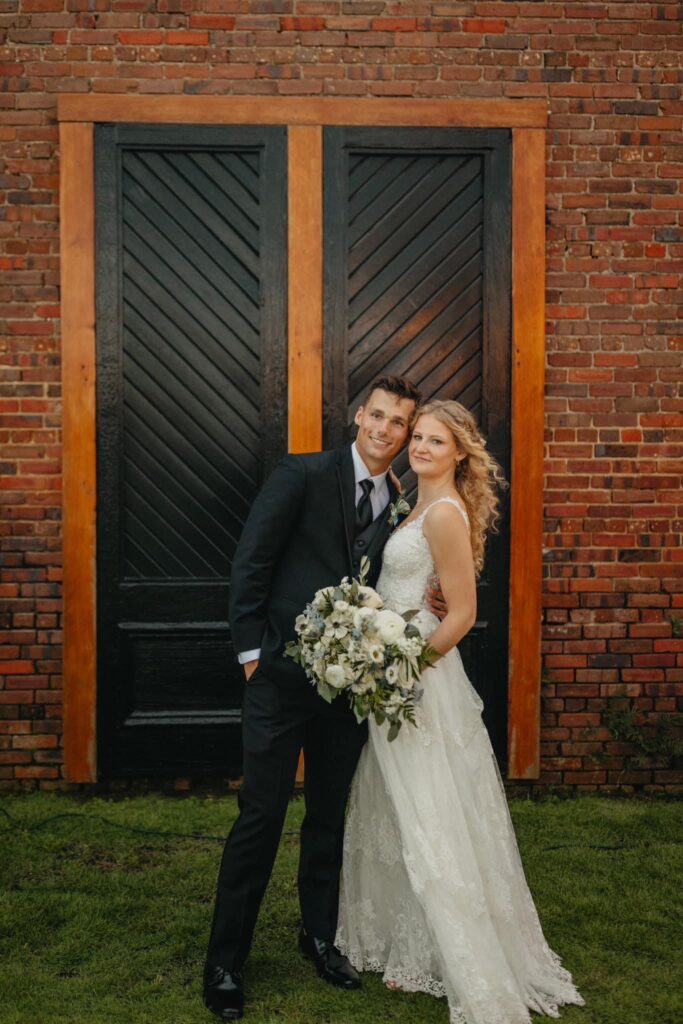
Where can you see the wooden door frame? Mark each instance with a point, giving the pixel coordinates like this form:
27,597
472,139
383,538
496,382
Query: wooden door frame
305,118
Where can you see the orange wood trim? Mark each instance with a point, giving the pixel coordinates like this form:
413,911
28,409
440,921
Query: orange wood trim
78,331
305,295
528,344
305,288
495,113
79,482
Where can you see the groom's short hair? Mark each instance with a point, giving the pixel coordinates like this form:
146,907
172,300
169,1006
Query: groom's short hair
401,387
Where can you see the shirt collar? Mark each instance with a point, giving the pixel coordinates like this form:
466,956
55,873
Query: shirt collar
361,471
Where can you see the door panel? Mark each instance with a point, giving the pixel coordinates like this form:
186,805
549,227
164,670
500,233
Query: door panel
191,415
417,282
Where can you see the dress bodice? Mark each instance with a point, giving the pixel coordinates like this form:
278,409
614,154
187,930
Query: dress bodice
407,563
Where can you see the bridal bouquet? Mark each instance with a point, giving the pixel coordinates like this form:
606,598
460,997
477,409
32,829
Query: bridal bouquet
348,642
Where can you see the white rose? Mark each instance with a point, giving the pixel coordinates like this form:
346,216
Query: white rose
335,676
370,598
390,625
341,606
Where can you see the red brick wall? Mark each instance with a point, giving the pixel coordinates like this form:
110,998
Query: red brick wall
611,73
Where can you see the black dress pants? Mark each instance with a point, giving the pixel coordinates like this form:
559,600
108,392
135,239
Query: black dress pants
277,722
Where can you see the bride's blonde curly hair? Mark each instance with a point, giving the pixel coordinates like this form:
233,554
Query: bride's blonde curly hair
478,476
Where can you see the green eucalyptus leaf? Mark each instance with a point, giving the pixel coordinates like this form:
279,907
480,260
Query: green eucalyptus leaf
360,712
327,692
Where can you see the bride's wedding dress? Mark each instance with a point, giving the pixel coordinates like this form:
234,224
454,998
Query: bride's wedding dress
433,890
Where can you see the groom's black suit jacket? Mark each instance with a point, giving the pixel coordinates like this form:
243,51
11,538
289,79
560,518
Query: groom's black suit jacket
300,536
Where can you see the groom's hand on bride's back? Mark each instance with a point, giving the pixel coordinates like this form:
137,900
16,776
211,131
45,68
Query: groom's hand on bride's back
436,602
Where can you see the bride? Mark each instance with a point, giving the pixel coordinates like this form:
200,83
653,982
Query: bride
433,890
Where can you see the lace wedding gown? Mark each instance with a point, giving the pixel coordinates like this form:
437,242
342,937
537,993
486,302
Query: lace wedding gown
433,891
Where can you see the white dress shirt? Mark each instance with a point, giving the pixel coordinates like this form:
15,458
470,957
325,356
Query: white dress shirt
379,499
379,495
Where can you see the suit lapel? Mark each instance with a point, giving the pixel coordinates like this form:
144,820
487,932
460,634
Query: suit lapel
346,480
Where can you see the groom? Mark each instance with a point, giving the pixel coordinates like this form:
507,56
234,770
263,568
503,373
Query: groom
313,521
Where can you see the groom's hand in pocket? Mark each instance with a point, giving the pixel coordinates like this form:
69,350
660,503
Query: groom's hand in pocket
249,668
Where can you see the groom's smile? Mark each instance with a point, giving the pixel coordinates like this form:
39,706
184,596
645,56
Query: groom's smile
383,424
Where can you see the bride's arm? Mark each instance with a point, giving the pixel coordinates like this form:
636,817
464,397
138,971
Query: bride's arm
449,542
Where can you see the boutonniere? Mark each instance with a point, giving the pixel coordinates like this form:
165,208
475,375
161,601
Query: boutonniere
398,509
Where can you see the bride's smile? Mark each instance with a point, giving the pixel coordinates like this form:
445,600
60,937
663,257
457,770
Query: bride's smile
433,455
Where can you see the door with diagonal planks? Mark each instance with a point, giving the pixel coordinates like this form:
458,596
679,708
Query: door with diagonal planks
417,225
413,251
191,414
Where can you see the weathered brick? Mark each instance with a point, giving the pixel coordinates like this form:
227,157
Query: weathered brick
614,428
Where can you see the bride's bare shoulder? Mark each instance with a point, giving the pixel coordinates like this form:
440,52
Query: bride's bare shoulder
445,517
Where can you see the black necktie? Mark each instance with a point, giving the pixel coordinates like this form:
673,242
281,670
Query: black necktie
364,506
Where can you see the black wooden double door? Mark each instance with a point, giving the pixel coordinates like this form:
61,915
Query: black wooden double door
192,385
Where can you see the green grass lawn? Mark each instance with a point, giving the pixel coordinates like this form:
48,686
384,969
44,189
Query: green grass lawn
100,924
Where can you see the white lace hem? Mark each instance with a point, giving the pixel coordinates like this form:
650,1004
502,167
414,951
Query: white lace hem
419,981
433,894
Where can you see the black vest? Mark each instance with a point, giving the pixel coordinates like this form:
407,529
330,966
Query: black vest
362,544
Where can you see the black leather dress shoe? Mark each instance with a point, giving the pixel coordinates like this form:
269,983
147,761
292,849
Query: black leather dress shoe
223,993
330,964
